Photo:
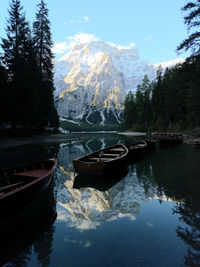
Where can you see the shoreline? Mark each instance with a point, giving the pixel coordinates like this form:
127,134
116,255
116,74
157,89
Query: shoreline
14,141
132,133
7,142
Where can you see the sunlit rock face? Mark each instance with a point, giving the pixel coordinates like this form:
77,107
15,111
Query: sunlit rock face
92,79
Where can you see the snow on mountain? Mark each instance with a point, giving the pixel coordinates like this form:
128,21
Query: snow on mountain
92,79
170,63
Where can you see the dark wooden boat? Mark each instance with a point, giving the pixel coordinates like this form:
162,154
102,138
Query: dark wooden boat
102,161
136,148
20,184
194,143
150,143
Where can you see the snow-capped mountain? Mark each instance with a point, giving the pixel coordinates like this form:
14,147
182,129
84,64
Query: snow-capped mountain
92,79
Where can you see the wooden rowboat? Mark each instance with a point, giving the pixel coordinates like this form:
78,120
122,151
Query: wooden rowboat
102,161
150,143
194,143
136,148
20,184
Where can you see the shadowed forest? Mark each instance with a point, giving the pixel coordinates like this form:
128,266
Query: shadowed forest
172,100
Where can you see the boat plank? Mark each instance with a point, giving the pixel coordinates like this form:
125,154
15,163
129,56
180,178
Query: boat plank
116,149
9,186
35,173
110,155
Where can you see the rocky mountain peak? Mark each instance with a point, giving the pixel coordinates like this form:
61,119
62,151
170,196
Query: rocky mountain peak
92,79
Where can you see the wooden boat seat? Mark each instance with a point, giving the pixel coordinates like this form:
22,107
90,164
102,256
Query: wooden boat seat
110,155
117,149
34,173
100,159
106,159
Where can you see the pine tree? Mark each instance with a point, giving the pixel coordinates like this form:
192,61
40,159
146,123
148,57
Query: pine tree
192,21
43,44
157,100
17,34
14,57
146,89
4,91
129,111
140,107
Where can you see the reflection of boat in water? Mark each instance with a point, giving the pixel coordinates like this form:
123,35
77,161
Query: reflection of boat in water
21,229
20,184
102,183
101,161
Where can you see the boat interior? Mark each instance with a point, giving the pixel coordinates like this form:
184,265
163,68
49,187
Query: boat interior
105,155
16,177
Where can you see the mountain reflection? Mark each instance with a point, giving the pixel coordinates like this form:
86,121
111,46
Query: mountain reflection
95,201
166,174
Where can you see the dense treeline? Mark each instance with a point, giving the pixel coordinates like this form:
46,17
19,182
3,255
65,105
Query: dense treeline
172,100
26,70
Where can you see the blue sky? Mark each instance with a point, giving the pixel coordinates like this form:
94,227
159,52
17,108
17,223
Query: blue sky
154,27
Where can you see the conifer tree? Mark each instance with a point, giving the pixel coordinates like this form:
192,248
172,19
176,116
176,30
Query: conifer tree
146,89
129,111
43,44
17,33
4,92
192,20
140,106
14,57
157,105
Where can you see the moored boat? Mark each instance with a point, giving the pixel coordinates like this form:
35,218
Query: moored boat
102,161
194,143
21,184
150,143
137,148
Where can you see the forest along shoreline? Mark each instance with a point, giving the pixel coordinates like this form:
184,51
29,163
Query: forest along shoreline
11,141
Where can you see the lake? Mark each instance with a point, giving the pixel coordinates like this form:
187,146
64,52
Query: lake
147,215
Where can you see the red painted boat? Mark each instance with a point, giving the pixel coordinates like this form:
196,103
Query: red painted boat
21,184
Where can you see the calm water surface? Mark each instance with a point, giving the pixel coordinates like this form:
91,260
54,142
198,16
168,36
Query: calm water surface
148,215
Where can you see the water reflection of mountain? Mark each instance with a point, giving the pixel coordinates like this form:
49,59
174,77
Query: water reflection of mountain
30,229
170,174
90,206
